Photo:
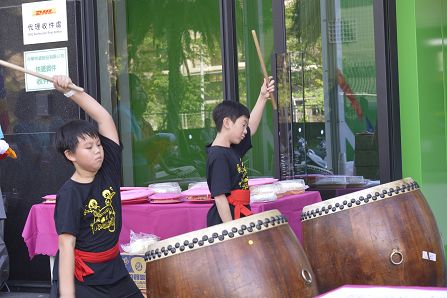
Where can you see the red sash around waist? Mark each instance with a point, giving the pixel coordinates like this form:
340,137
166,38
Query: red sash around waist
81,268
238,198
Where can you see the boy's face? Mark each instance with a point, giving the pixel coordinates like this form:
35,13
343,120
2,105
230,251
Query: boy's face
238,129
89,154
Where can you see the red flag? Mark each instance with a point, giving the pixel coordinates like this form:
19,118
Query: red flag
349,94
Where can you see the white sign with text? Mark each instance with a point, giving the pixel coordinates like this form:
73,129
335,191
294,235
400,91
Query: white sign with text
44,21
48,62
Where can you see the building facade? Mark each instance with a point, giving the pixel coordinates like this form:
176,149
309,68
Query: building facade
348,72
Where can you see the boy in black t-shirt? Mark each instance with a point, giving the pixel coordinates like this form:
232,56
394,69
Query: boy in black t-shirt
226,174
88,206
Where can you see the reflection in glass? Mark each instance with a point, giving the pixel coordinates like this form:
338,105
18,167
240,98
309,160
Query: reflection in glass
174,81
255,15
339,85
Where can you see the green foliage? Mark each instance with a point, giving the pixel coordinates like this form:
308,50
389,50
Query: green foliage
164,38
304,36
304,22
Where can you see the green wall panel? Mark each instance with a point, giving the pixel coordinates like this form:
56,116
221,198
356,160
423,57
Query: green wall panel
421,28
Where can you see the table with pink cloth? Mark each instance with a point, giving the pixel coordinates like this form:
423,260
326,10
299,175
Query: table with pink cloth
163,220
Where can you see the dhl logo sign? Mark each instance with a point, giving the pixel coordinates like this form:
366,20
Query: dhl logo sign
44,12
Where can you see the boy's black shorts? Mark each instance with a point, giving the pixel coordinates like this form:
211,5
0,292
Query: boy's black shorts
124,288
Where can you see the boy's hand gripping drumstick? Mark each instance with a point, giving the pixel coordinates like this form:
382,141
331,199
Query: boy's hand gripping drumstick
36,74
264,70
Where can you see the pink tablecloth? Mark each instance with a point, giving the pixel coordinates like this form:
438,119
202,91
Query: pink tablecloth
386,291
163,220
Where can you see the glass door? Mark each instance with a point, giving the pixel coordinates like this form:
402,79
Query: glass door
169,80
339,85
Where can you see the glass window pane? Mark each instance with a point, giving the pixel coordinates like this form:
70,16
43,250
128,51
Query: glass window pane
336,84
174,81
256,15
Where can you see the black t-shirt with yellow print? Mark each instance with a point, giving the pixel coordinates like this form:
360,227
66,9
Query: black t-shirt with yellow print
92,213
225,171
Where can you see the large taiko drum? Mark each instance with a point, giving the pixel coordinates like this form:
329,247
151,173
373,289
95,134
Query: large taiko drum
384,235
255,256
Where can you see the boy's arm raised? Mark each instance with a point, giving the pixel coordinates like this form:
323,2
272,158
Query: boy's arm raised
94,109
256,114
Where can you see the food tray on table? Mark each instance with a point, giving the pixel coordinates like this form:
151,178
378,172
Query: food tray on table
166,198
263,189
135,196
125,188
199,199
165,187
355,181
291,187
261,181
198,193
49,199
330,182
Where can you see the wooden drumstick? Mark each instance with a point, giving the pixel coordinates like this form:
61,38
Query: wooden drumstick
264,70
36,74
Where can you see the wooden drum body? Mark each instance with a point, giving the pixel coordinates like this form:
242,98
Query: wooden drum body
255,256
384,235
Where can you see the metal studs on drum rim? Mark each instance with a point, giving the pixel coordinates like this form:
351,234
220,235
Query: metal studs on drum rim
193,240
358,198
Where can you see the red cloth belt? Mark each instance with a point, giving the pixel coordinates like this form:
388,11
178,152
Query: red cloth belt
81,268
238,198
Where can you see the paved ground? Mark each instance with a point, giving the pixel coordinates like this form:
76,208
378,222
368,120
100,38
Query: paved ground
23,295
22,289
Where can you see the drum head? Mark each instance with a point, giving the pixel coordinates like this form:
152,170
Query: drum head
358,198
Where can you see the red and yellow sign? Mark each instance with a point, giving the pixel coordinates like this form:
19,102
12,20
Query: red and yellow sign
43,12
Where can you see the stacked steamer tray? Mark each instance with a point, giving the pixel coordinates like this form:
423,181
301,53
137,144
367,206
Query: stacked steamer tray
166,198
356,181
136,195
329,182
261,181
129,195
262,189
337,181
198,192
309,179
290,187
125,188
49,199
165,193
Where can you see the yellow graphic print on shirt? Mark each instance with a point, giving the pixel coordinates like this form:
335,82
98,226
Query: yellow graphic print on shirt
241,169
103,218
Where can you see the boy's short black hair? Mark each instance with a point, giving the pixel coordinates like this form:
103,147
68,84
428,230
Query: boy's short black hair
231,109
67,135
